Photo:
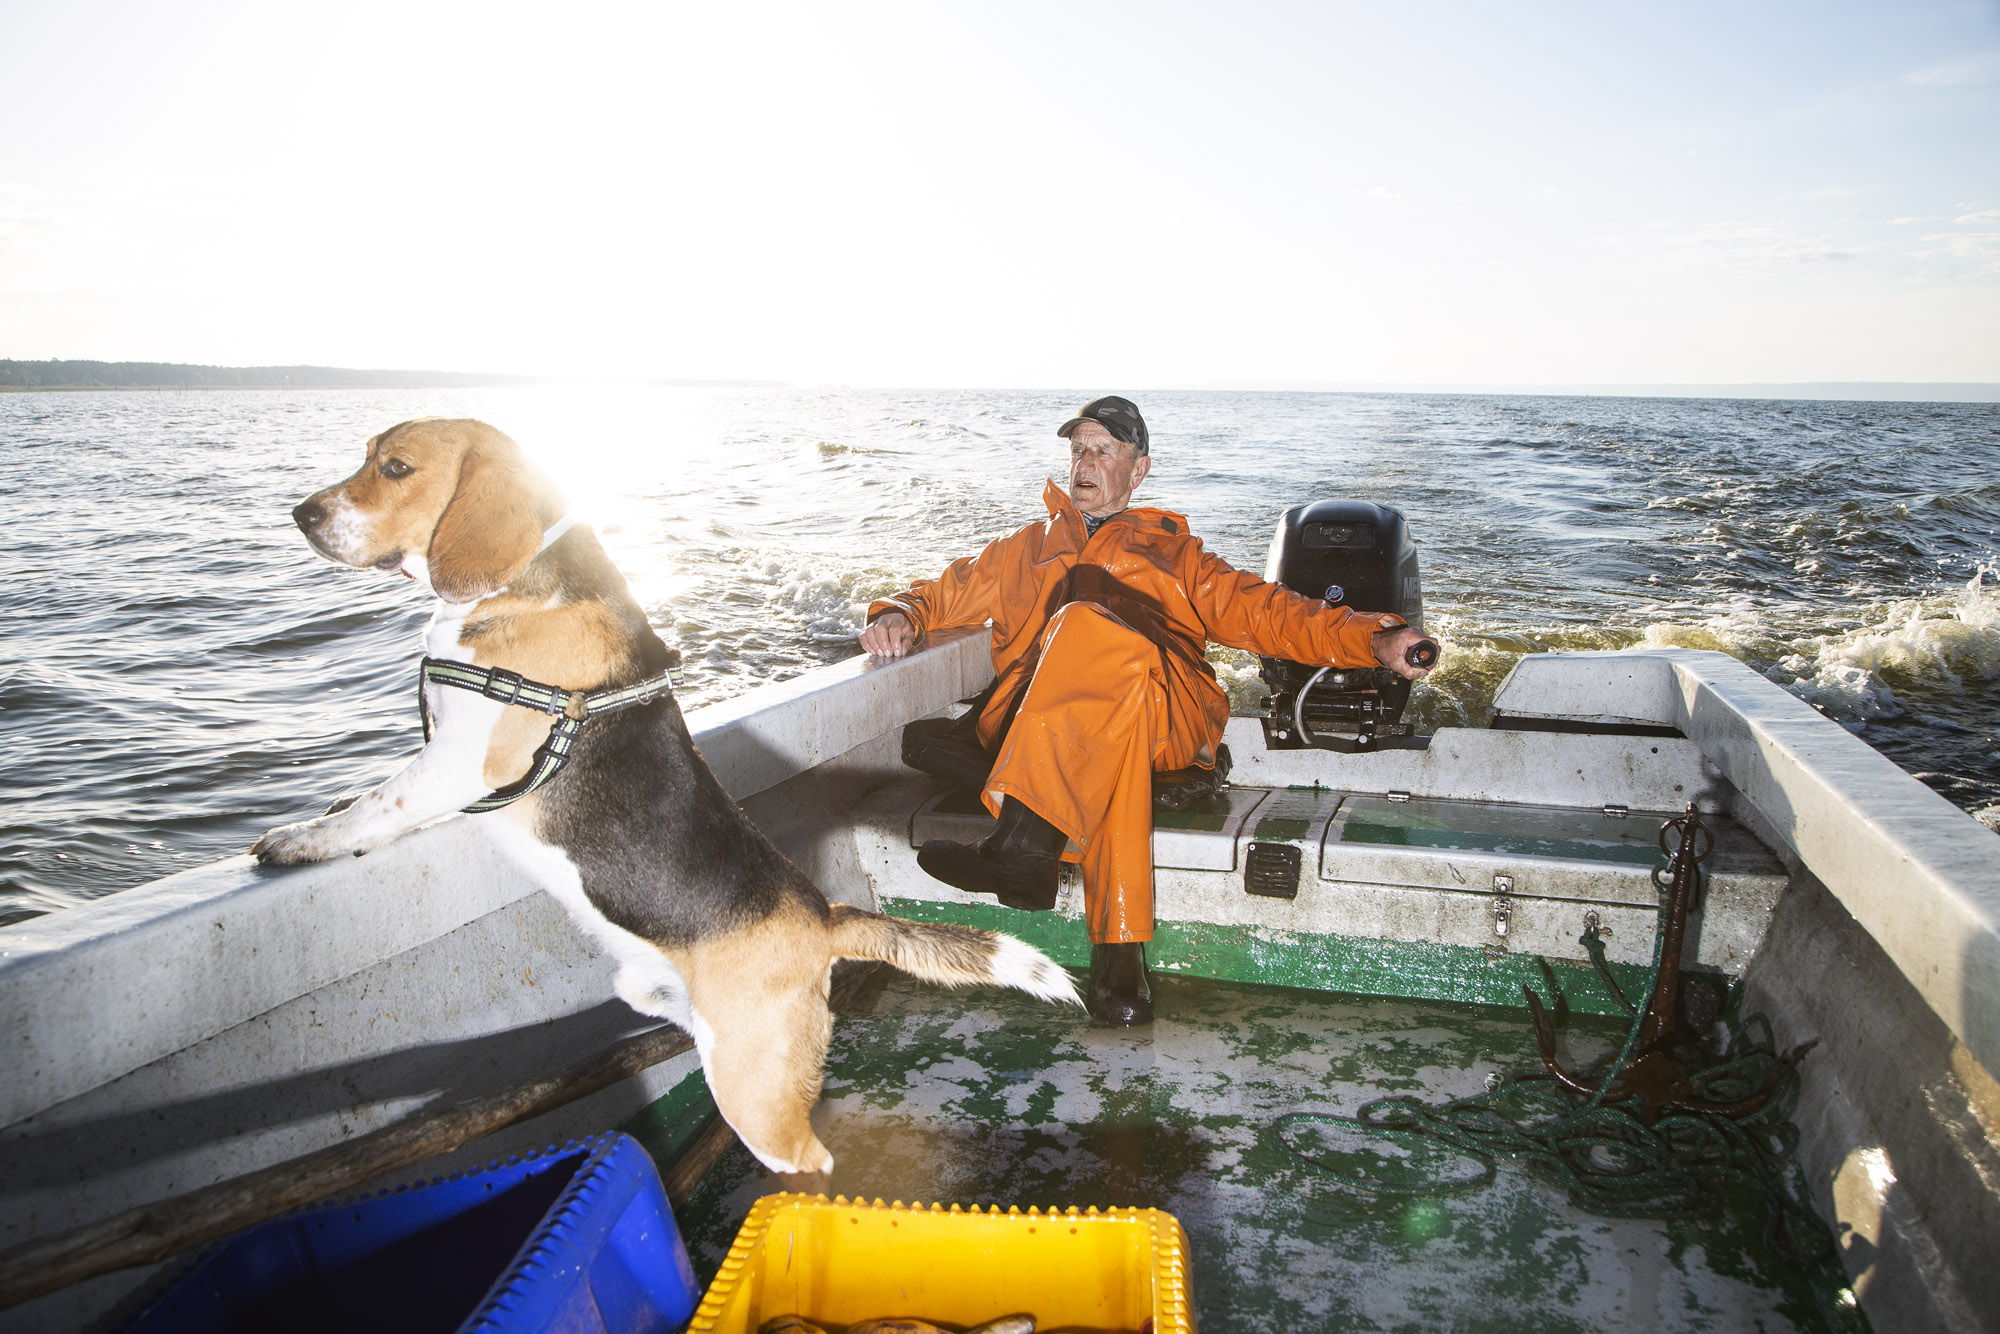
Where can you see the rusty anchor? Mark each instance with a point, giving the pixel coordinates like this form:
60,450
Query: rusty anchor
1655,1074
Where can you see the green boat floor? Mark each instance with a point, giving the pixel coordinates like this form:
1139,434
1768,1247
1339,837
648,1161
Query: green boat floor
992,1098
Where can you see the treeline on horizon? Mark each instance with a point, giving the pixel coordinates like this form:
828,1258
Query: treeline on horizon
170,375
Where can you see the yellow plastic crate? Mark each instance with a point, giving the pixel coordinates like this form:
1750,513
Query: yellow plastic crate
836,1262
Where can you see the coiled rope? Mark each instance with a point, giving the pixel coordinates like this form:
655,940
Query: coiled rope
1602,1156
1599,1152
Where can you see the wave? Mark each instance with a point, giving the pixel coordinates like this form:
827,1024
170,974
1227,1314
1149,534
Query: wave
1935,643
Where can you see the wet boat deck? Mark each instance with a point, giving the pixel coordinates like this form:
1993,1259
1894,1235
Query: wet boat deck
991,1098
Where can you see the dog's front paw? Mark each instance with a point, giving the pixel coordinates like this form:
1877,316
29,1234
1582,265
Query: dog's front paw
306,841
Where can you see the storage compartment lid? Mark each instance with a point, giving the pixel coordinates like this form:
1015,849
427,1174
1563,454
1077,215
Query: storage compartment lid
1550,851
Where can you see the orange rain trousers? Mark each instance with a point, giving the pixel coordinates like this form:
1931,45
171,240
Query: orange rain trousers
1099,650
1081,752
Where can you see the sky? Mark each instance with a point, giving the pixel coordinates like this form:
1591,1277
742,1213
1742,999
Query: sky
1010,194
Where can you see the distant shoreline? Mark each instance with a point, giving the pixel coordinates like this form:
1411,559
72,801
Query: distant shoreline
88,376
98,376
386,384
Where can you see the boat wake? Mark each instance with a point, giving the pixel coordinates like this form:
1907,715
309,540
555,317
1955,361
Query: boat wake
1902,672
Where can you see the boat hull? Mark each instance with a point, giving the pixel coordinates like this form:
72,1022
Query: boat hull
233,1018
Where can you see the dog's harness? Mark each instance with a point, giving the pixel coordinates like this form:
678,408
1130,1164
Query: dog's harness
570,708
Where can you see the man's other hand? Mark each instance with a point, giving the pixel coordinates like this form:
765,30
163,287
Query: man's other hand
890,636
1392,644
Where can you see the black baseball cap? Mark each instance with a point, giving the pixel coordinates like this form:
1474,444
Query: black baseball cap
1116,415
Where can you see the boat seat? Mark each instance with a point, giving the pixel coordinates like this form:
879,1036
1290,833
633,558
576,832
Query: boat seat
1200,835
948,748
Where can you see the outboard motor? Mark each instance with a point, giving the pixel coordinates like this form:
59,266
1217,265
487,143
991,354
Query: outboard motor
1352,554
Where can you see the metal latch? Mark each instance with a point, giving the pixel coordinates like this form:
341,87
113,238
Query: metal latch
1617,810
1503,906
1398,796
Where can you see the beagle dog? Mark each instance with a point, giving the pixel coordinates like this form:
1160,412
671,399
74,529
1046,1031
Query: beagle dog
711,926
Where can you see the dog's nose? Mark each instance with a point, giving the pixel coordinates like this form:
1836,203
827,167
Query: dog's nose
308,515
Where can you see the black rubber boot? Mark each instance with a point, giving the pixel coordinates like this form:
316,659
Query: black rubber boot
1118,991
948,748
1016,862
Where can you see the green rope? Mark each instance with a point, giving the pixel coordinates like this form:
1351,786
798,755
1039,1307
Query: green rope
1601,1154
1638,1015
1603,1157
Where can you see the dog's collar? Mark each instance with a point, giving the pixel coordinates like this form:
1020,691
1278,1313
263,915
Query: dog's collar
554,533
570,709
550,536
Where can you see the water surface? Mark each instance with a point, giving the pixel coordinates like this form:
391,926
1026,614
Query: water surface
178,671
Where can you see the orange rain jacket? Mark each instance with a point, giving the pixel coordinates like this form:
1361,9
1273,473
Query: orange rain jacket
1129,688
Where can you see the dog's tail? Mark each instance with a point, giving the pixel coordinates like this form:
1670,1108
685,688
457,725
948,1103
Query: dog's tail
950,956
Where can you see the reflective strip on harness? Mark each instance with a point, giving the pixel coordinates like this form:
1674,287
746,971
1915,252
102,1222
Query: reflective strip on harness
570,708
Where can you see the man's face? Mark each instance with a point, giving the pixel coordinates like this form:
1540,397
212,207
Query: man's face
1103,470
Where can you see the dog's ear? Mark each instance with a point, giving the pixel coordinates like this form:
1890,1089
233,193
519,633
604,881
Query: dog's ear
491,529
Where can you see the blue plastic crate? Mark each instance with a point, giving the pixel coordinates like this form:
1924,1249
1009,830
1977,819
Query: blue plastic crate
579,1238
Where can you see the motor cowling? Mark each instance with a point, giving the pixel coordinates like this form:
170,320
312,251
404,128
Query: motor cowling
1350,553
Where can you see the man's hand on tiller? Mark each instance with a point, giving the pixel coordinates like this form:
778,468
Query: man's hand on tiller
1390,646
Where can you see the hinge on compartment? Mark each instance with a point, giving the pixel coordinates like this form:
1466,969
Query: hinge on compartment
1617,810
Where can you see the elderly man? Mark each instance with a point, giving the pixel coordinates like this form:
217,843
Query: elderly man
1101,619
